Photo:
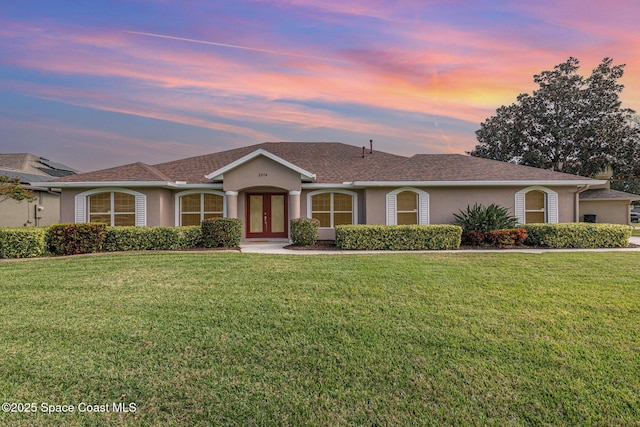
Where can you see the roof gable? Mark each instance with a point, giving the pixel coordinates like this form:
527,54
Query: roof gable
219,173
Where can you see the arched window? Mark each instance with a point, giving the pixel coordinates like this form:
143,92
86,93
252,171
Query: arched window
194,206
407,206
332,208
536,205
113,206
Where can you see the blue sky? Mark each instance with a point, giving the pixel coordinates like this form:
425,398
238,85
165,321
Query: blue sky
104,83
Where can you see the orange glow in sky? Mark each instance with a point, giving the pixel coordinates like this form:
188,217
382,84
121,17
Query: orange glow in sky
96,86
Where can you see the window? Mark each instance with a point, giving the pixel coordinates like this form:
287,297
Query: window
332,209
199,206
112,208
536,205
406,206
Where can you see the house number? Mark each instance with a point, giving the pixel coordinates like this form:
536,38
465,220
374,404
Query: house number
262,174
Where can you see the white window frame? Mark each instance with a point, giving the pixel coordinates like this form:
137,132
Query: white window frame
354,206
82,205
178,213
392,205
550,204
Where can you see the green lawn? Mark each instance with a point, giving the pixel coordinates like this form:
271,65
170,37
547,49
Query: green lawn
390,339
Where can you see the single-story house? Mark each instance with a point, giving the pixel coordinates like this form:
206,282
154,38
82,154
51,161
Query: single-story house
29,168
268,184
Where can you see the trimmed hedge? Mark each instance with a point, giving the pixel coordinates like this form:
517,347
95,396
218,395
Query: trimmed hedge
578,235
221,232
398,237
151,238
500,238
304,231
74,239
25,242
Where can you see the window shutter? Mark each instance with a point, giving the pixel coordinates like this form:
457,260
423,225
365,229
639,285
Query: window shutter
520,207
81,214
552,208
391,209
423,208
141,210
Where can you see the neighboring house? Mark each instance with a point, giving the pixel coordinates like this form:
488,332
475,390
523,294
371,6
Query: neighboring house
28,168
268,184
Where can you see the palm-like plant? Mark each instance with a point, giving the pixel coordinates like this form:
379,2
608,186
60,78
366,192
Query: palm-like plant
481,218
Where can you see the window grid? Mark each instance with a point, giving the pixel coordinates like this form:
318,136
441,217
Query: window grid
332,209
197,207
112,208
535,207
407,210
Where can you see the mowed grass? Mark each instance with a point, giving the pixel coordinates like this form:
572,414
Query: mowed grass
389,339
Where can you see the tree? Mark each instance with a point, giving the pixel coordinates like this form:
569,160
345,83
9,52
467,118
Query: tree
569,124
10,188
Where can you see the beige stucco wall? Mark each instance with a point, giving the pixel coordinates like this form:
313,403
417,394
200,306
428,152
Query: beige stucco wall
607,212
445,201
261,172
23,214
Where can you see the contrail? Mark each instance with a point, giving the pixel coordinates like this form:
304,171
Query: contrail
232,46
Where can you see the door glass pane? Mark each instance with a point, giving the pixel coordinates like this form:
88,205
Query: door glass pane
255,214
277,214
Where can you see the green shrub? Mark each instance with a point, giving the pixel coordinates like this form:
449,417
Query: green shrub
578,235
151,238
73,239
483,219
398,237
304,231
27,242
221,232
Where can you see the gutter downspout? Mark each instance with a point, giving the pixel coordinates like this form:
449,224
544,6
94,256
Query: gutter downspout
577,202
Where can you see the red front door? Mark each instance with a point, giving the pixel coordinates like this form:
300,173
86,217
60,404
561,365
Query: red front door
267,215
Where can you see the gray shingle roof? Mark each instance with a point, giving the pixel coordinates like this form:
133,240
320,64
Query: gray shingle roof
607,194
335,163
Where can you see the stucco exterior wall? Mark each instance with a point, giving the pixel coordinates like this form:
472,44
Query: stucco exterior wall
23,213
445,201
606,211
261,172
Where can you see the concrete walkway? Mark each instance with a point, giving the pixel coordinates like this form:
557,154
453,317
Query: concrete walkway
278,248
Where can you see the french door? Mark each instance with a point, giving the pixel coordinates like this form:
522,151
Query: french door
267,215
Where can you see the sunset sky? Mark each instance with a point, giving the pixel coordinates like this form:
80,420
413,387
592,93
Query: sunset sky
95,84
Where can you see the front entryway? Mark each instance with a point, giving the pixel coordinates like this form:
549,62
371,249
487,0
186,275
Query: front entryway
267,215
